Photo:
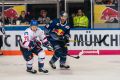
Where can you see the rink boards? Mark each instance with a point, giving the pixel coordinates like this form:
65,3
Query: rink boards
111,46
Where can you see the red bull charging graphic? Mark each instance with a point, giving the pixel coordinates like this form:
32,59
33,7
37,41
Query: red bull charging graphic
13,12
58,32
105,14
109,14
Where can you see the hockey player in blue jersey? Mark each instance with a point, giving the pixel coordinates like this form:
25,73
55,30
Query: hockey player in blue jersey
58,33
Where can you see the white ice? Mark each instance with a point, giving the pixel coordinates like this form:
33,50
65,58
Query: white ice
86,68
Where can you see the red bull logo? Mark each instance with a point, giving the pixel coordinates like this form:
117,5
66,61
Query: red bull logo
109,14
11,13
58,31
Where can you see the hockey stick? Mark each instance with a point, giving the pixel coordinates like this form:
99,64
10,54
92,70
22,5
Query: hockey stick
67,54
87,41
77,57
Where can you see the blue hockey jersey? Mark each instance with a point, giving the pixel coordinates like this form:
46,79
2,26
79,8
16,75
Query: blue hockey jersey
56,30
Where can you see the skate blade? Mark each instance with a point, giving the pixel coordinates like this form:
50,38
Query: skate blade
64,68
41,73
32,73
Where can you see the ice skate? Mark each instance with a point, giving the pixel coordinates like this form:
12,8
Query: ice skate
32,71
42,70
64,66
52,65
1,53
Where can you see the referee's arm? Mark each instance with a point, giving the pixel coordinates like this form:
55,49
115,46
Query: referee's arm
3,31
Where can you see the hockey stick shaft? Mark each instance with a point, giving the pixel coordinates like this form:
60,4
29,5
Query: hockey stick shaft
85,41
81,41
64,53
68,55
90,41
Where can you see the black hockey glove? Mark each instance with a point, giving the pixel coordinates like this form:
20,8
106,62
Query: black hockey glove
66,39
37,43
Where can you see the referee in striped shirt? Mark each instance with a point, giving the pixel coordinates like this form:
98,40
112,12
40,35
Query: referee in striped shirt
3,31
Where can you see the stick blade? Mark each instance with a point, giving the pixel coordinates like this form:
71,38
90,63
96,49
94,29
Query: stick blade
79,55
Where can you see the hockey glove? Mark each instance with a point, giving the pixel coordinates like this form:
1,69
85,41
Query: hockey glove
36,42
66,39
48,46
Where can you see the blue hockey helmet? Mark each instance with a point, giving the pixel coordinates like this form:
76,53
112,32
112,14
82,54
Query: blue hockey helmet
33,23
63,13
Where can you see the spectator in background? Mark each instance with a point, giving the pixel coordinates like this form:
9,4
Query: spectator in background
111,2
23,18
71,20
6,20
99,2
80,20
43,19
41,12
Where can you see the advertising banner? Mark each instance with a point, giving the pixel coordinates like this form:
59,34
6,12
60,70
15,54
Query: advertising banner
13,11
105,14
111,46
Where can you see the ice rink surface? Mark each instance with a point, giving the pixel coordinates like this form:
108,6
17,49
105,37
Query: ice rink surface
88,67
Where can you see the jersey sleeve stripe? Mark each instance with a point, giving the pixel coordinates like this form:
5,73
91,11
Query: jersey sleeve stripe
30,43
24,42
45,38
46,42
21,40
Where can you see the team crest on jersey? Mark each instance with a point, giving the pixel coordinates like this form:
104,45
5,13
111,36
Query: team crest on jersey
47,25
58,31
51,21
58,24
67,27
26,34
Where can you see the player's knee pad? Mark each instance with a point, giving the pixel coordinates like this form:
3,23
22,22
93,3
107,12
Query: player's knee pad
41,54
30,61
41,57
63,56
29,64
57,55
41,61
57,49
65,52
